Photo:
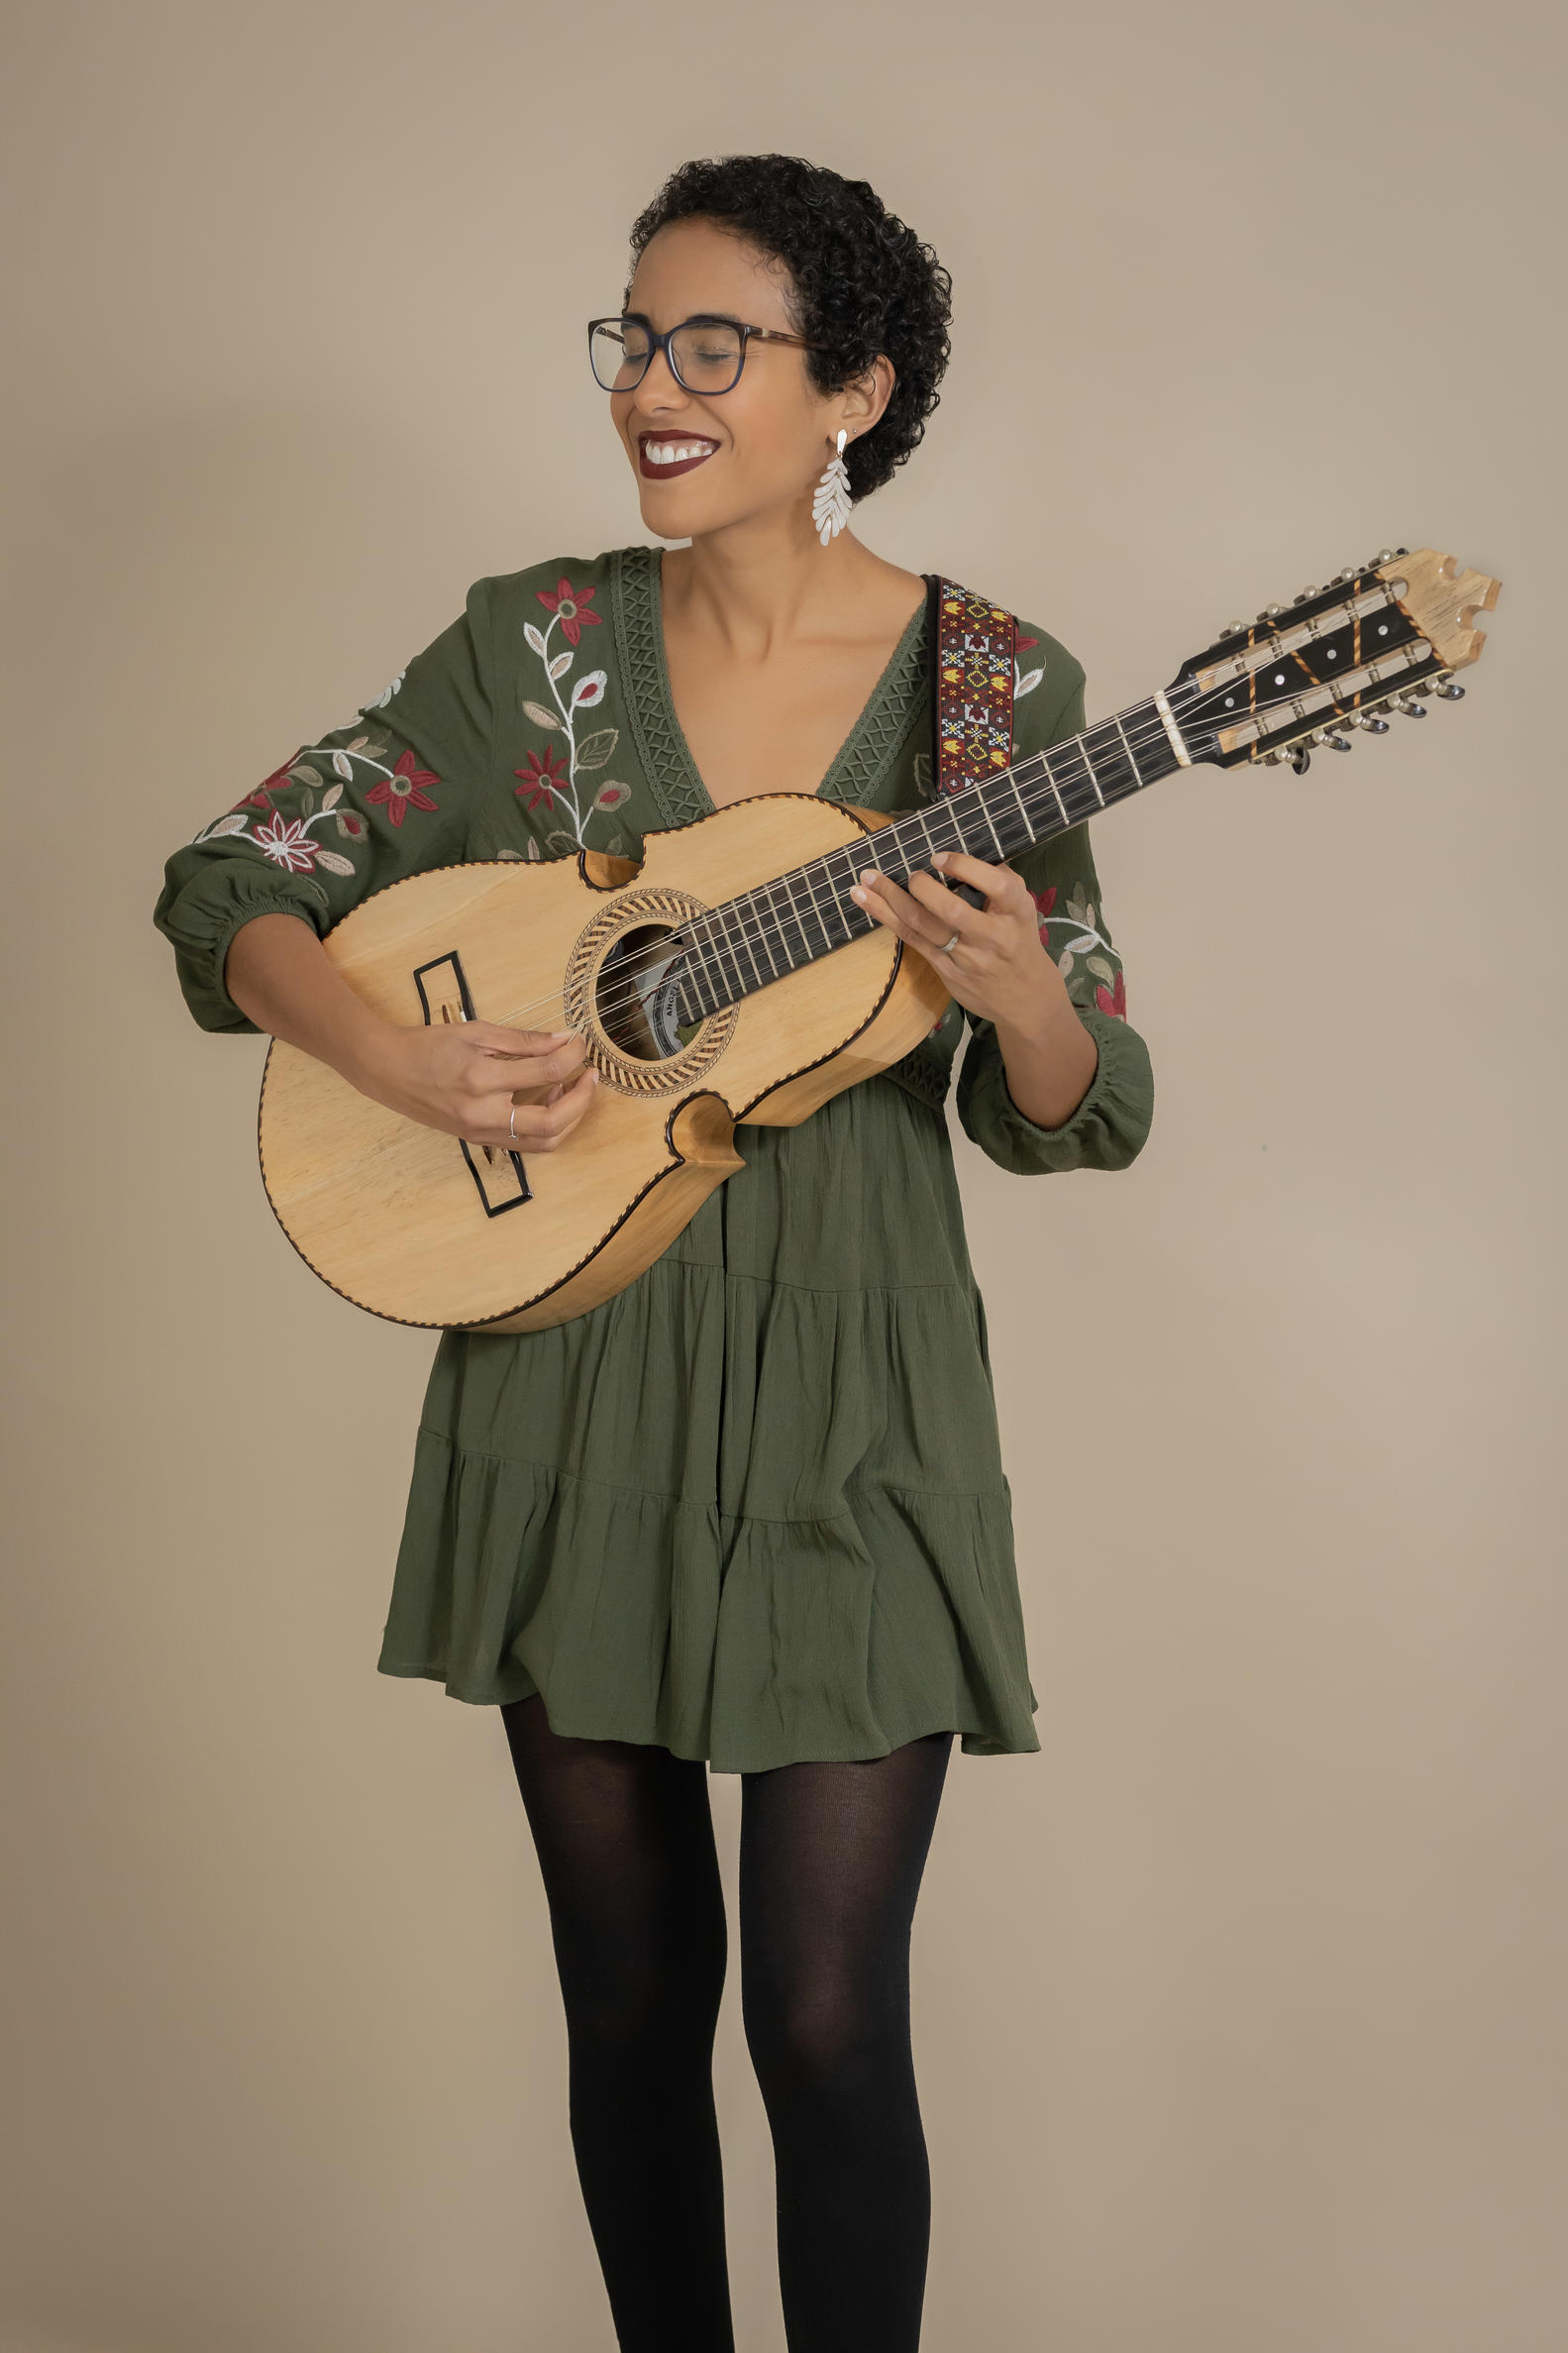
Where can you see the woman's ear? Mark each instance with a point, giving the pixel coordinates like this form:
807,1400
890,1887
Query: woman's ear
862,402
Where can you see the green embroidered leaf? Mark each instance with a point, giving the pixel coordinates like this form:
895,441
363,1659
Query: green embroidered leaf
307,801
342,765
331,798
534,637
305,775
233,824
1097,964
542,717
595,749
517,854
561,661
1075,947
332,862
612,796
1064,962
533,847
567,841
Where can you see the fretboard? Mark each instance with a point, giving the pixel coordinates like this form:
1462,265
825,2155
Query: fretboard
745,943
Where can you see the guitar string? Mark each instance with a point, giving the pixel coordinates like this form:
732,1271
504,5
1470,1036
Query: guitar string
768,928
1148,731
1044,793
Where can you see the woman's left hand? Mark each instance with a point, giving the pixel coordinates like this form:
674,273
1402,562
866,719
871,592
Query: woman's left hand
997,967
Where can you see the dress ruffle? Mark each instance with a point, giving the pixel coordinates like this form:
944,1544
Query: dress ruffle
751,1517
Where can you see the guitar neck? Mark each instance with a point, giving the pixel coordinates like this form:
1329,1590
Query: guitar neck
747,943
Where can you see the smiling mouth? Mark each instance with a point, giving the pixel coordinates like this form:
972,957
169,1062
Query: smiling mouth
661,455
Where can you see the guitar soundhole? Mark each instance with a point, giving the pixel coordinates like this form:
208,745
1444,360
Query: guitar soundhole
636,995
621,989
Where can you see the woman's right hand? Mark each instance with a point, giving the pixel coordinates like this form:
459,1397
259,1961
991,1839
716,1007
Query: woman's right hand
521,1090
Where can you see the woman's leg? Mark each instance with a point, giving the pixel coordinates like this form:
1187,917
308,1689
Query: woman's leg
625,1841
831,1858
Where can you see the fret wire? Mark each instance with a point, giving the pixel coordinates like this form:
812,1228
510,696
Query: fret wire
788,916
1131,755
733,940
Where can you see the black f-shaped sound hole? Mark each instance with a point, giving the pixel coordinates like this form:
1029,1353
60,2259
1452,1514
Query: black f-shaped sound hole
499,1175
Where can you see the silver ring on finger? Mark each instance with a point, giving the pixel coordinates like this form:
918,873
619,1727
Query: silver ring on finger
512,1124
948,945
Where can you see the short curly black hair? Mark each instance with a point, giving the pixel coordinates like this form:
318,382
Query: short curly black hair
860,282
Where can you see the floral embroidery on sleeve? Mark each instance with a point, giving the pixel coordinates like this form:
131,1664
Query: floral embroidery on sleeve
550,781
1025,681
1100,957
403,784
288,838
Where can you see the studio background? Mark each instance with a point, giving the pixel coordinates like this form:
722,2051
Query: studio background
1237,2009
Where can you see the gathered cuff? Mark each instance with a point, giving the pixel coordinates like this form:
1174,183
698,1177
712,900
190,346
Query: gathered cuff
1108,1129
202,918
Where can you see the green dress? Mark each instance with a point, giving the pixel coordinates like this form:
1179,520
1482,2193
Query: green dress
753,1507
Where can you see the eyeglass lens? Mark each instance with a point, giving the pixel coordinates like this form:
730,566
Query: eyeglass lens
705,355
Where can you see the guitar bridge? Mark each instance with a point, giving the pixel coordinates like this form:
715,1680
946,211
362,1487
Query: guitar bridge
498,1174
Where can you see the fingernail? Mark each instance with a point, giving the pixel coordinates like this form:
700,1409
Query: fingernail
856,892
563,1033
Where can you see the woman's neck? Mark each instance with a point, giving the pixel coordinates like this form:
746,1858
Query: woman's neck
769,582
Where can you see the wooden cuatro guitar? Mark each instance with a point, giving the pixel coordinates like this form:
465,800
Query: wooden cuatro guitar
730,977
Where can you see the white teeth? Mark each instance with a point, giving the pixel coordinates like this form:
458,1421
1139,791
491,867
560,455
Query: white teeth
670,452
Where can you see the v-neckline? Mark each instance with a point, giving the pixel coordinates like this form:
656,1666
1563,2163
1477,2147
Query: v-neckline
892,676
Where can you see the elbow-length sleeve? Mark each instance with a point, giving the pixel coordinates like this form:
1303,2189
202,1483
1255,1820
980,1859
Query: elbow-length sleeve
390,793
1111,1122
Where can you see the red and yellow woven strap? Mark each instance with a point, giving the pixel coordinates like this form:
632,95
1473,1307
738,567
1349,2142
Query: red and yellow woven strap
975,654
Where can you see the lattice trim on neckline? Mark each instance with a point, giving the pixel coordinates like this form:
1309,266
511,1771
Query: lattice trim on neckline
665,762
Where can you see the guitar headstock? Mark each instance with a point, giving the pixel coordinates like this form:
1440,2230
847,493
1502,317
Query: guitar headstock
1338,658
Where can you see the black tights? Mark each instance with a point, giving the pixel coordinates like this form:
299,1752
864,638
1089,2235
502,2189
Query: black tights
830,1865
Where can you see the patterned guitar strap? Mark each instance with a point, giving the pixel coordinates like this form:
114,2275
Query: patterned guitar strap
972,706
974,649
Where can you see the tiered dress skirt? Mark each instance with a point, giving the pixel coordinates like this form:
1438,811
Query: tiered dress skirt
752,1508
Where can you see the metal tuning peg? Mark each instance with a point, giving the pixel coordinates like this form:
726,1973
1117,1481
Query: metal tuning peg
1412,709
1382,556
1337,743
1304,597
1232,629
1448,691
1301,759
1340,579
1271,613
1376,726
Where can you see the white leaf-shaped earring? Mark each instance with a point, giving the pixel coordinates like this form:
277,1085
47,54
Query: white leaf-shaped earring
830,501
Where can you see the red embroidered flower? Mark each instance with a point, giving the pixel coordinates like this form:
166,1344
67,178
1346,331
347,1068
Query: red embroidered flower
404,785
1117,1003
278,781
1044,900
542,779
286,843
1024,644
570,608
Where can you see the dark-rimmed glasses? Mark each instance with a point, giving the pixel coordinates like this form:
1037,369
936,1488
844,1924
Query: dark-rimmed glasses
703,354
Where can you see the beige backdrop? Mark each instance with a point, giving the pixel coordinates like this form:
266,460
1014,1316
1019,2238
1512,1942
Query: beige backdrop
1238,2009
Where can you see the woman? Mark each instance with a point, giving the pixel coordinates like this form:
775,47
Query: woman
748,1515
